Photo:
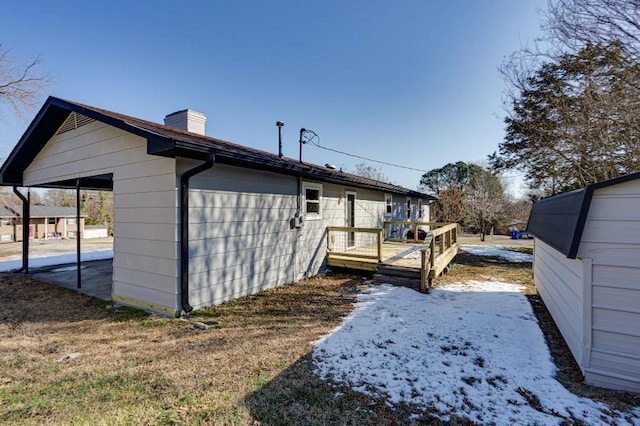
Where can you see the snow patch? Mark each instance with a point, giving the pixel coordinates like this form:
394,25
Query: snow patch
497,251
62,259
471,349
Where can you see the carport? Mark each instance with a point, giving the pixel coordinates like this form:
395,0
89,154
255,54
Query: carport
98,274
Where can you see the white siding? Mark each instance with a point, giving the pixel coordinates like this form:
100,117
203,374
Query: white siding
145,265
610,238
560,282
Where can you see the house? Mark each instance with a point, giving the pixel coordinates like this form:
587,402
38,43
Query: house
587,270
198,220
45,222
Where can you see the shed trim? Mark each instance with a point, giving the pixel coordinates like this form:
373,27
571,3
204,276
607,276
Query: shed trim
560,219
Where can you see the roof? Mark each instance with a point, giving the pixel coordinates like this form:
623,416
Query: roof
168,141
40,211
559,220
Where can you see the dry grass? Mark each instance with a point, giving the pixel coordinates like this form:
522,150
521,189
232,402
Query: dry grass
66,358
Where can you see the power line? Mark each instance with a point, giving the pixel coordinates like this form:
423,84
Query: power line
367,159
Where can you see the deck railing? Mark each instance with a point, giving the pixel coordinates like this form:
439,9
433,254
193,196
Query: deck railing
362,243
361,248
405,231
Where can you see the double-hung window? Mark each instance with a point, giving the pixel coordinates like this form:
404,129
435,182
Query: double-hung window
312,201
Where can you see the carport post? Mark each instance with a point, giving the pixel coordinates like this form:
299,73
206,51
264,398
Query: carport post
79,274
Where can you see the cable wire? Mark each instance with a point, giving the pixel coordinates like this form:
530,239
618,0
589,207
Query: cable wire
317,144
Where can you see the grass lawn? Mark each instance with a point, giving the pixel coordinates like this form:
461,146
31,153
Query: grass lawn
66,358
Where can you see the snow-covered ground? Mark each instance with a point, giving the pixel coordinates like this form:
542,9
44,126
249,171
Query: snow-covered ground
49,260
497,251
474,350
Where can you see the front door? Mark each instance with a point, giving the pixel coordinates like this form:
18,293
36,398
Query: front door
351,218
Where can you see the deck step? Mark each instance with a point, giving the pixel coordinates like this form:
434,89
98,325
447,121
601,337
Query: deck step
399,271
397,280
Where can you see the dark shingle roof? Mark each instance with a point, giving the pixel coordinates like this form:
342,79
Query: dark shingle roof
171,142
559,220
39,211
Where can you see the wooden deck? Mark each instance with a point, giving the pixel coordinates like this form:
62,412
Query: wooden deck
408,260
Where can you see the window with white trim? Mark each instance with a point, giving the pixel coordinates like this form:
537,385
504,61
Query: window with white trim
312,201
5,222
71,221
388,200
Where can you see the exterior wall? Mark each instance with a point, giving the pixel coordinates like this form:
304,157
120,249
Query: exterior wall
561,284
145,264
44,230
95,231
7,230
240,238
610,238
241,234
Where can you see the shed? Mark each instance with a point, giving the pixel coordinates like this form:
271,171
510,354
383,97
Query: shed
587,270
198,220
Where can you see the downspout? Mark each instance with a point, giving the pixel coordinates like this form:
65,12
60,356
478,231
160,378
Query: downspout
184,229
26,218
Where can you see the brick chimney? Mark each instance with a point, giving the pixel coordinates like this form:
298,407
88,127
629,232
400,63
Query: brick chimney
187,119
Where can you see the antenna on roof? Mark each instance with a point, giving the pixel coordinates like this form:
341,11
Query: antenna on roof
309,135
280,124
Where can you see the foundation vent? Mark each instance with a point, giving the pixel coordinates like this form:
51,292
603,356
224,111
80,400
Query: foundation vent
74,121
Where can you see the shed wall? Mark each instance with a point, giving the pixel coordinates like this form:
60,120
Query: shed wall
610,238
145,264
560,282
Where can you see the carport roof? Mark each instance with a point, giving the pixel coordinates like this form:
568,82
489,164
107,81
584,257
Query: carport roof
559,220
170,142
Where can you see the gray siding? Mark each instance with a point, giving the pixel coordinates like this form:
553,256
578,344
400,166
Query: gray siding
241,238
145,264
610,238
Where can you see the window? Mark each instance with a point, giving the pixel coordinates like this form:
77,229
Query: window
71,221
51,221
420,209
388,199
408,208
5,222
6,237
312,198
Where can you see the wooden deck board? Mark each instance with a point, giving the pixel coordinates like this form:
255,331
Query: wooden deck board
399,260
393,253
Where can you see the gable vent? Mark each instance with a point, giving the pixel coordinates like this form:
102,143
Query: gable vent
74,121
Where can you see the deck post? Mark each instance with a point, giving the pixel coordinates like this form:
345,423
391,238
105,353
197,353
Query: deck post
380,235
432,249
328,240
423,271
415,232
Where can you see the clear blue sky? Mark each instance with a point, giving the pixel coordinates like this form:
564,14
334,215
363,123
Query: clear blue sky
409,82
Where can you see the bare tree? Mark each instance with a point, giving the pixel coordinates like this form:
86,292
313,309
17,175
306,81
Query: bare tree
372,172
576,23
485,201
20,83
